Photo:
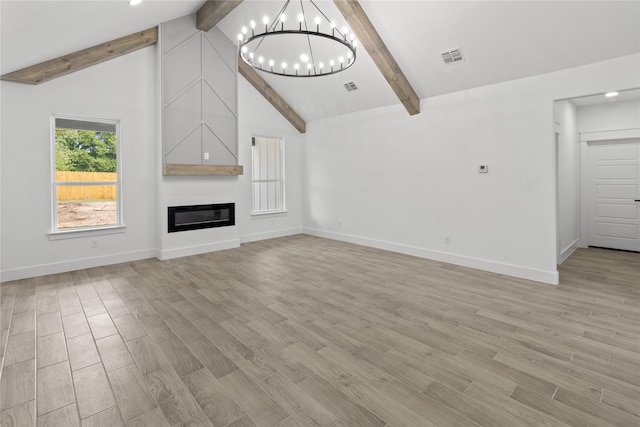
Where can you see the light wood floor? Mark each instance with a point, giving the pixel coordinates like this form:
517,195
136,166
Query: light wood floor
302,331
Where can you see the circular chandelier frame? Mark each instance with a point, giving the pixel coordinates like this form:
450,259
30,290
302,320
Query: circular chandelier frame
273,30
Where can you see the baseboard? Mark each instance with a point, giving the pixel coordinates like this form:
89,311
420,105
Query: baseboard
196,250
566,253
549,277
78,264
270,235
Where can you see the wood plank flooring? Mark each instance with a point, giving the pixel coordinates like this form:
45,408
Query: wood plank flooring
303,331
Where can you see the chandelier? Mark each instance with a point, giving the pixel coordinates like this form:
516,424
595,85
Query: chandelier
298,47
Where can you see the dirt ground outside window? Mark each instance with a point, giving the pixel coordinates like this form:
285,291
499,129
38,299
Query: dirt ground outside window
82,214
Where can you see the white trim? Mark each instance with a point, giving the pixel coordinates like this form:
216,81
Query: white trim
270,234
281,181
566,252
609,134
78,264
117,183
268,213
549,277
197,250
86,232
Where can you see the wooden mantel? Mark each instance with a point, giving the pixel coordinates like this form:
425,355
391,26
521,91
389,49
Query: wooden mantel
202,170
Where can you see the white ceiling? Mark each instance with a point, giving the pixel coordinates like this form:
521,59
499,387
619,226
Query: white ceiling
501,40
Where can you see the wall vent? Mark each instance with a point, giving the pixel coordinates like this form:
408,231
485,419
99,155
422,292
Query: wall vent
351,86
451,56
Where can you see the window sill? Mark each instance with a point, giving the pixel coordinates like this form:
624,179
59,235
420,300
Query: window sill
98,231
268,213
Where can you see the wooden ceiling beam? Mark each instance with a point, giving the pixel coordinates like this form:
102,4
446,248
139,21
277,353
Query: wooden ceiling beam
249,73
213,11
81,59
378,51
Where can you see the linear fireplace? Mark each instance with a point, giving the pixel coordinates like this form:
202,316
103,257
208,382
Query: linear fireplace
183,218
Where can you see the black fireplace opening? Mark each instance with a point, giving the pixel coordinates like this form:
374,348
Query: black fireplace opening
195,217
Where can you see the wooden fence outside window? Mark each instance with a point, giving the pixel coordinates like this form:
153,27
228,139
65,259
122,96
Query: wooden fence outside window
86,192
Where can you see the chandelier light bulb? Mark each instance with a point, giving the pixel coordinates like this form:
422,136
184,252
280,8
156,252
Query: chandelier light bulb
309,66
244,30
349,55
317,20
355,43
341,59
333,24
332,62
300,18
283,17
344,30
240,37
244,49
251,55
321,65
304,57
260,60
252,24
352,36
284,65
265,20
271,62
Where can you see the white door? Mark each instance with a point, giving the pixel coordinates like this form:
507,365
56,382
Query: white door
614,194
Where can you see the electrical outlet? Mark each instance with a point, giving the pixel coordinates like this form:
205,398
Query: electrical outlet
94,243
483,169
447,240
206,156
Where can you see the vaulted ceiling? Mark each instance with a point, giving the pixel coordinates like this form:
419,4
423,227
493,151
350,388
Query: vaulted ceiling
500,40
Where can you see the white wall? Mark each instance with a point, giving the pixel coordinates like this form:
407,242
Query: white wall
386,179
258,117
608,116
360,169
118,89
565,115
125,88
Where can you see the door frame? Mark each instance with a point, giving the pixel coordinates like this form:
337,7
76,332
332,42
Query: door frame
583,140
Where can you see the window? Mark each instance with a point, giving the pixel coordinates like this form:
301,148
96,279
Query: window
86,179
268,175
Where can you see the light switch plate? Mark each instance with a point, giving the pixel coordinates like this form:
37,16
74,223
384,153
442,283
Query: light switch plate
206,156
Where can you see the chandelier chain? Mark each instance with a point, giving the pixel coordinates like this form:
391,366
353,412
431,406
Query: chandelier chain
313,60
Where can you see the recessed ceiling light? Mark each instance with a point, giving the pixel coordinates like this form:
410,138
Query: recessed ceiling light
134,2
611,94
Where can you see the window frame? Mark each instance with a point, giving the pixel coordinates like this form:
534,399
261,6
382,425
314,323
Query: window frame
282,180
56,233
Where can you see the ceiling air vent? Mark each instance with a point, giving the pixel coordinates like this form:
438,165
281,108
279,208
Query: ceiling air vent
451,56
351,86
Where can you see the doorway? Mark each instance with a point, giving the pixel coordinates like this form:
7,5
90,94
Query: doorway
580,125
